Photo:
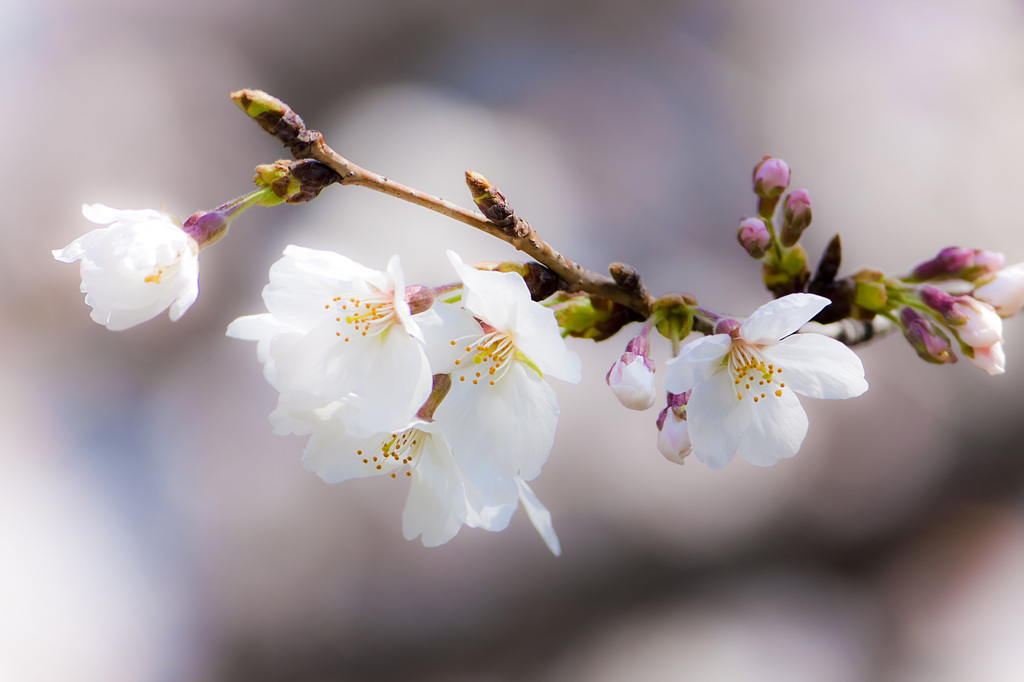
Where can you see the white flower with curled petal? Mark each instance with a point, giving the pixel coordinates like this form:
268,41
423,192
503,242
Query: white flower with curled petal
139,265
443,494
338,332
505,410
745,383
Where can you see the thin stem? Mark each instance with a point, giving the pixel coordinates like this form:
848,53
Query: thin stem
278,119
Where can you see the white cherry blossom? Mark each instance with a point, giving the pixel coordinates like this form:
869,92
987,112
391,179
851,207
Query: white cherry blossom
443,494
506,411
745,384
139,265
338,332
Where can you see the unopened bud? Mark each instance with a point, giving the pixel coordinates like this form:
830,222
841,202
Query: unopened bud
589,316
1003,290
992,358
790,275
771,177
489,199
209,227
957,262
674,315
673,430
975,323
796,216
753,235
631,378
926,337
295,182
273,115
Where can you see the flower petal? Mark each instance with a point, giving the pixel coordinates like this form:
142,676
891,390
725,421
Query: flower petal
776,428
540,517
489,295
445,326
696,362
716,420
818,367
781,317
436,506
537,336
335,455
511,425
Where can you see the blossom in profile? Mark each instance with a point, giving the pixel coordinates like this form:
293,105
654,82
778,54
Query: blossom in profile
631,378
673,429
745,382
505,410
139,265
339,332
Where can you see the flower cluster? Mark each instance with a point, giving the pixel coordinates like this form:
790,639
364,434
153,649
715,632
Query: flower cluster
968,313
386,379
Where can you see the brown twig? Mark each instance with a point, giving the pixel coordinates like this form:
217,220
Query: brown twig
278,119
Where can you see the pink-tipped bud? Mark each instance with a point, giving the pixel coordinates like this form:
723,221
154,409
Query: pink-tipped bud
673,430
796,216
957,262
975,323
992,358
771,177
926,337
1003,290
754,237
631,378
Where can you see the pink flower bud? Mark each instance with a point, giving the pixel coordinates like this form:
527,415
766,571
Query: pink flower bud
975,323
957,262
771,177
1003,290
631,378
927,338
754,237
983,326
992,358
796,216
673,431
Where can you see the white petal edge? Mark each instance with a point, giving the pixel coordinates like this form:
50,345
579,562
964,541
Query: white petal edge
818,367
696,362
539,516
781,317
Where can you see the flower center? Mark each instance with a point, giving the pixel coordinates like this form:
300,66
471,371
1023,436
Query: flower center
399,451
169,268
367,313
752,376
487,359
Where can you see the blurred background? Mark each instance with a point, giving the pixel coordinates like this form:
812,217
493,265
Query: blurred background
152,528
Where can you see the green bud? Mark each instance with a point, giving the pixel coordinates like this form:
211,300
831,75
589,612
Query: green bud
674,316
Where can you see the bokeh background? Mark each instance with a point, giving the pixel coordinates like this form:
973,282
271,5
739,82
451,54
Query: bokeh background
151,527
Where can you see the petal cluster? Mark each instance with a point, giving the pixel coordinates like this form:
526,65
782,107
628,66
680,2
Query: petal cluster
448,396
139,265
744,384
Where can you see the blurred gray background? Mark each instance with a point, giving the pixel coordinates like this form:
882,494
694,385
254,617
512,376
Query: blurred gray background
152,528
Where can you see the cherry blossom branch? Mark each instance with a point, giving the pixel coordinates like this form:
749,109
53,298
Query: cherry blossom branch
497,219
278,119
